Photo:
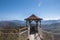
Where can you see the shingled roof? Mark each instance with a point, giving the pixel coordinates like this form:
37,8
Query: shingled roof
33,17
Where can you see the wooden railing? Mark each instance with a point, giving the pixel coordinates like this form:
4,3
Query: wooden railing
23,33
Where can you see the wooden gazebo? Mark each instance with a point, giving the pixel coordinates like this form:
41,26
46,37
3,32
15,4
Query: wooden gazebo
37,20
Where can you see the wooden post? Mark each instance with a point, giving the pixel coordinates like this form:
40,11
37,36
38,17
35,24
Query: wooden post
39,29
19,34
26,23
40,32
52,36
28,29
35,36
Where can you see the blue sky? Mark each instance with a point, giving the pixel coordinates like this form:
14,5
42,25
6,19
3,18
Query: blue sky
20,9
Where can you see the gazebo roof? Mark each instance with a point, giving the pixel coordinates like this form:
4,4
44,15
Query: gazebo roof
33,17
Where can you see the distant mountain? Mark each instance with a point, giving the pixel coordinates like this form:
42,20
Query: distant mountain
11,24
51,26
55,26
16,23
49,22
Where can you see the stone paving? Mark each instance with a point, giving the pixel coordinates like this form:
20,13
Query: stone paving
32,37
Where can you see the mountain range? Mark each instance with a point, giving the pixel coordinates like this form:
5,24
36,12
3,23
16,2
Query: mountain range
51,24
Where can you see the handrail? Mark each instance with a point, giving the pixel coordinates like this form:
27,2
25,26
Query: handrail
7,29
9,33
51,33
23,28
23,32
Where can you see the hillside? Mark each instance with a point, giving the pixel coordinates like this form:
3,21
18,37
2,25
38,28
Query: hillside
16,23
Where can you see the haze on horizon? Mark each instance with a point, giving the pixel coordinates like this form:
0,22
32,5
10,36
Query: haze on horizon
21,9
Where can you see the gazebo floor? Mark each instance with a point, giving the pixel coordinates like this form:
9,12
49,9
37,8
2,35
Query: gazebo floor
31,37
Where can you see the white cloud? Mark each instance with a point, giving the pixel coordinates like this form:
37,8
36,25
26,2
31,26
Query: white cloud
51,18
39,4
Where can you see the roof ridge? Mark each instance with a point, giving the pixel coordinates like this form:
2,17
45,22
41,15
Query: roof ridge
33,17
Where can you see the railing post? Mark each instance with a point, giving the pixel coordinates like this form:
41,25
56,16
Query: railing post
52,36
19,35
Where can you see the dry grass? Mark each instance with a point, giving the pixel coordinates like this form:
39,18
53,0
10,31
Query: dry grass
6,36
